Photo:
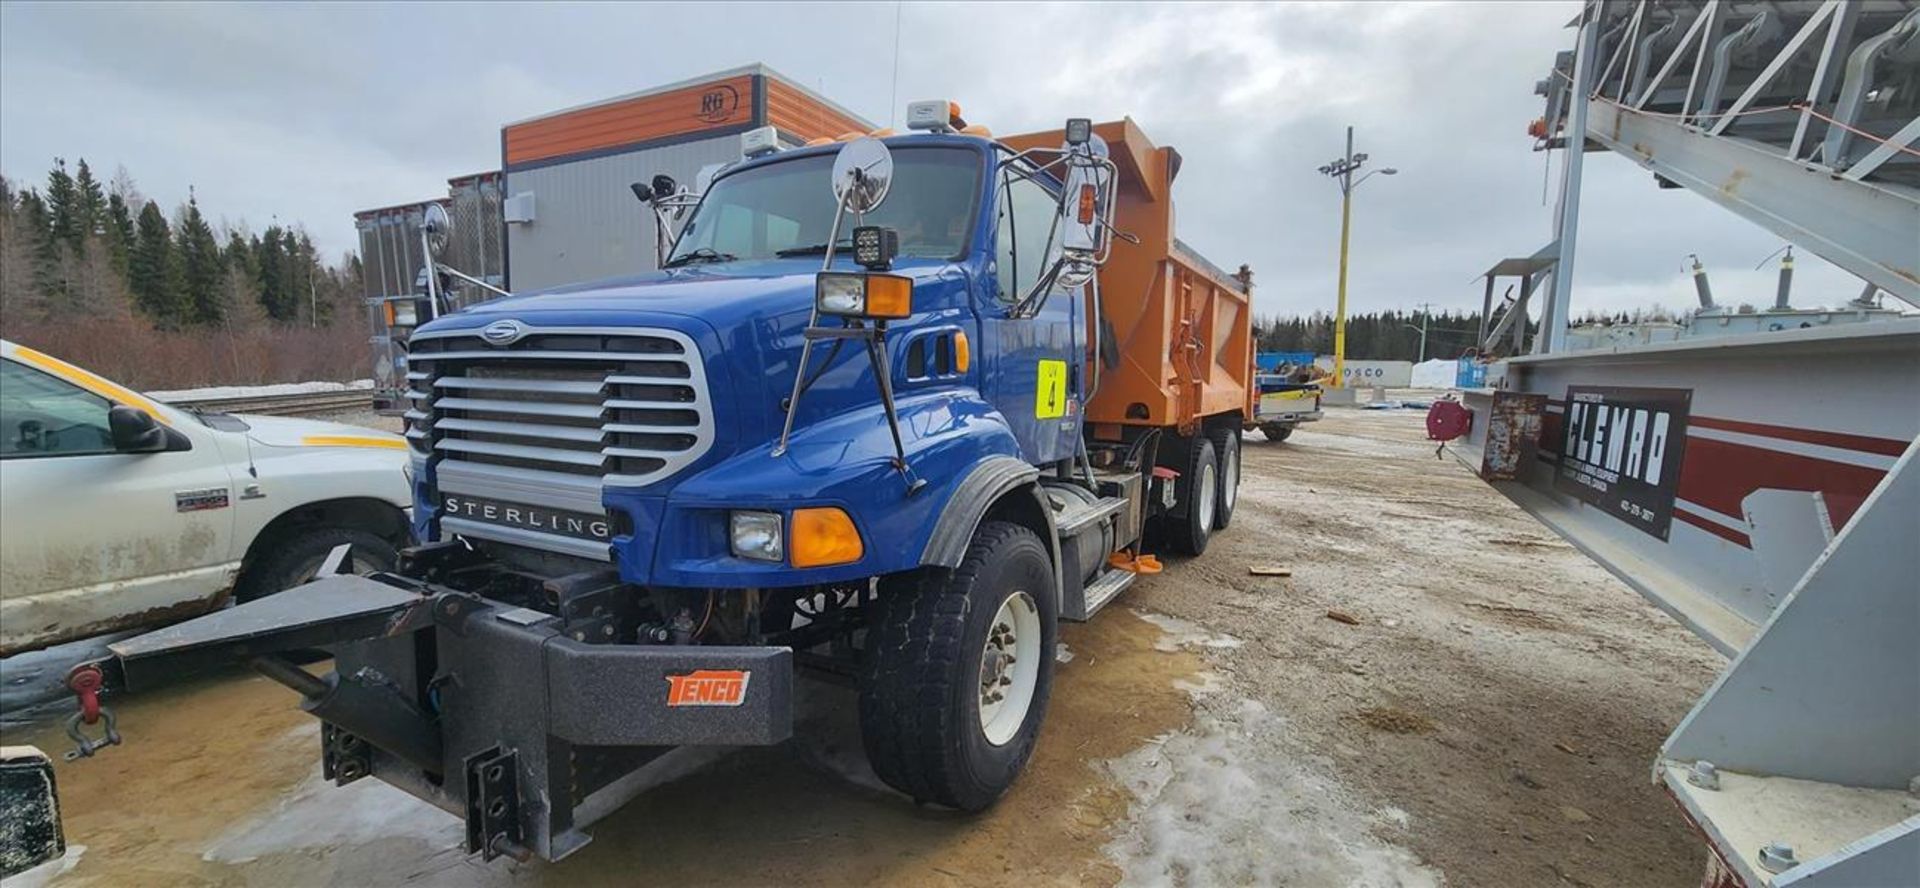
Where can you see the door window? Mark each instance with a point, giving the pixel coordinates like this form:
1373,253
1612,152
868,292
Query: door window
1026,241
41,415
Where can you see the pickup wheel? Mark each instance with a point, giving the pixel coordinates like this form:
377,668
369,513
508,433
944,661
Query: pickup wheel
958,669
1197,498
1276,432
295,557
1226,443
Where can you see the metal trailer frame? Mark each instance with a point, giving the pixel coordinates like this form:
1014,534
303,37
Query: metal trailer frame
1782,523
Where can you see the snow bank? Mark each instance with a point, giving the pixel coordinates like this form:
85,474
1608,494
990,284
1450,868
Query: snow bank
259,391
1435,374
1222,803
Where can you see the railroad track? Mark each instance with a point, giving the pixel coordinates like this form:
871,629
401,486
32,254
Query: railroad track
285,405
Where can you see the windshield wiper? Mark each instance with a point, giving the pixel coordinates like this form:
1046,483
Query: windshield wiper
845,243
702,254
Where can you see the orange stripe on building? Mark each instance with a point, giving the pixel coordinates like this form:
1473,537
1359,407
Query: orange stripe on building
798,114
715,105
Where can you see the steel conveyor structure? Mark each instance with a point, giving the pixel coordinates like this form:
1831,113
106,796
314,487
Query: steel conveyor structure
1761,488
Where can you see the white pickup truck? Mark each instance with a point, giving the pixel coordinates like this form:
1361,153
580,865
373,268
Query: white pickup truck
123,513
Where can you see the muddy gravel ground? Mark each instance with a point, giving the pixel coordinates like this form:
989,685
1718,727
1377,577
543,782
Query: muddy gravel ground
1440,693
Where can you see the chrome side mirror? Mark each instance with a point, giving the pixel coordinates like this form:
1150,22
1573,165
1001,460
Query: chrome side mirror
437,227
862,173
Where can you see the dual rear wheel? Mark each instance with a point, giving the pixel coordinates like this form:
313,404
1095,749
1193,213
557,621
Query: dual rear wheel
1206,491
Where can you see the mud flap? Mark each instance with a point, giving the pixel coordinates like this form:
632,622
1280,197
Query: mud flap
30,831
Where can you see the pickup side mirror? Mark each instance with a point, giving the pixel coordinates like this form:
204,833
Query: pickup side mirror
134,431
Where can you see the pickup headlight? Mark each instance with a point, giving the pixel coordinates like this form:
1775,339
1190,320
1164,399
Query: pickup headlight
863,295
756,535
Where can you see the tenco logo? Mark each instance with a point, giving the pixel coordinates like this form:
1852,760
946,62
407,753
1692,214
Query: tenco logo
708,687
718,104
503,332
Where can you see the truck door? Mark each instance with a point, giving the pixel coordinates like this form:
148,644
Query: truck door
97,540
1032,366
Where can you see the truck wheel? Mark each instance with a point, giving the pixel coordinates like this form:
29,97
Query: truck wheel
1226,443
1197,495
294,558
959,665
1276,432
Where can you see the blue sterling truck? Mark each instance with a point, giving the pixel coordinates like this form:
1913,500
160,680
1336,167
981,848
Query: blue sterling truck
870,421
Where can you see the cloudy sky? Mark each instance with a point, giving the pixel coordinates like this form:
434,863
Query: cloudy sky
307,113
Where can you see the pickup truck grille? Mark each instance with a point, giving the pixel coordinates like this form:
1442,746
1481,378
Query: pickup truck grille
620,406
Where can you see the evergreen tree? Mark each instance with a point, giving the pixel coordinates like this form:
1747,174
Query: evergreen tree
90,203
272,267
154,272
200,265
119,232
63,206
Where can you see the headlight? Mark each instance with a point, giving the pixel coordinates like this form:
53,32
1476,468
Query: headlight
842,294
403,313
756,535
863,295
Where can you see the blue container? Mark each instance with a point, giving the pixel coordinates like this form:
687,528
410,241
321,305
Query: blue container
1472,374
1271,362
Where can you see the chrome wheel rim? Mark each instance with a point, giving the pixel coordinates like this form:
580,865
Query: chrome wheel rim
1231,471
1206,488
1009,668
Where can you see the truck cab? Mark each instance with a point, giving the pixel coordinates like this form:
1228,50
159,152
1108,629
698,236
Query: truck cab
844,430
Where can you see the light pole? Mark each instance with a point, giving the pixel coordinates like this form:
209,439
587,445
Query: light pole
1342,170
1426,311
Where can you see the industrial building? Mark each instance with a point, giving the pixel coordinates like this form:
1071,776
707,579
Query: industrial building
560,209
568,211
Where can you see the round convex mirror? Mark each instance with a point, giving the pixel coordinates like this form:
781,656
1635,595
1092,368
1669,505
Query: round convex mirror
861,174
438,226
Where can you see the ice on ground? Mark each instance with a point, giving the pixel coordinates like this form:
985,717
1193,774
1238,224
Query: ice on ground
1224,803
1202,684
259,391
1176,633
1062,653
360,812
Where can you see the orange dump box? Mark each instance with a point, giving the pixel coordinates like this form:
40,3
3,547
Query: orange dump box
1177,348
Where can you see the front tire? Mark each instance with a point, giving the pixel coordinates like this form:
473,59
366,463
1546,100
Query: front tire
959,667
1197,498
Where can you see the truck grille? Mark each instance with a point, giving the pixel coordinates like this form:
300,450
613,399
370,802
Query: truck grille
556,413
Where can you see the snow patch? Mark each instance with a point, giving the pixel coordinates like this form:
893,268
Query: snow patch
1221,803
1177,633
358,813
1062,653
259,391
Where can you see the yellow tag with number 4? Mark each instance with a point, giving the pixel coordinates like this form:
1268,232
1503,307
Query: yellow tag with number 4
1050,395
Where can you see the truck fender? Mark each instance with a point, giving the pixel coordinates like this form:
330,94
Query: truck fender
989,482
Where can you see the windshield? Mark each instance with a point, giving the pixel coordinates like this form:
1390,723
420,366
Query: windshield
786,209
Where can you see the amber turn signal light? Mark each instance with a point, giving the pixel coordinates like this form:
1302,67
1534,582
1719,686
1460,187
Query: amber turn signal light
822,536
